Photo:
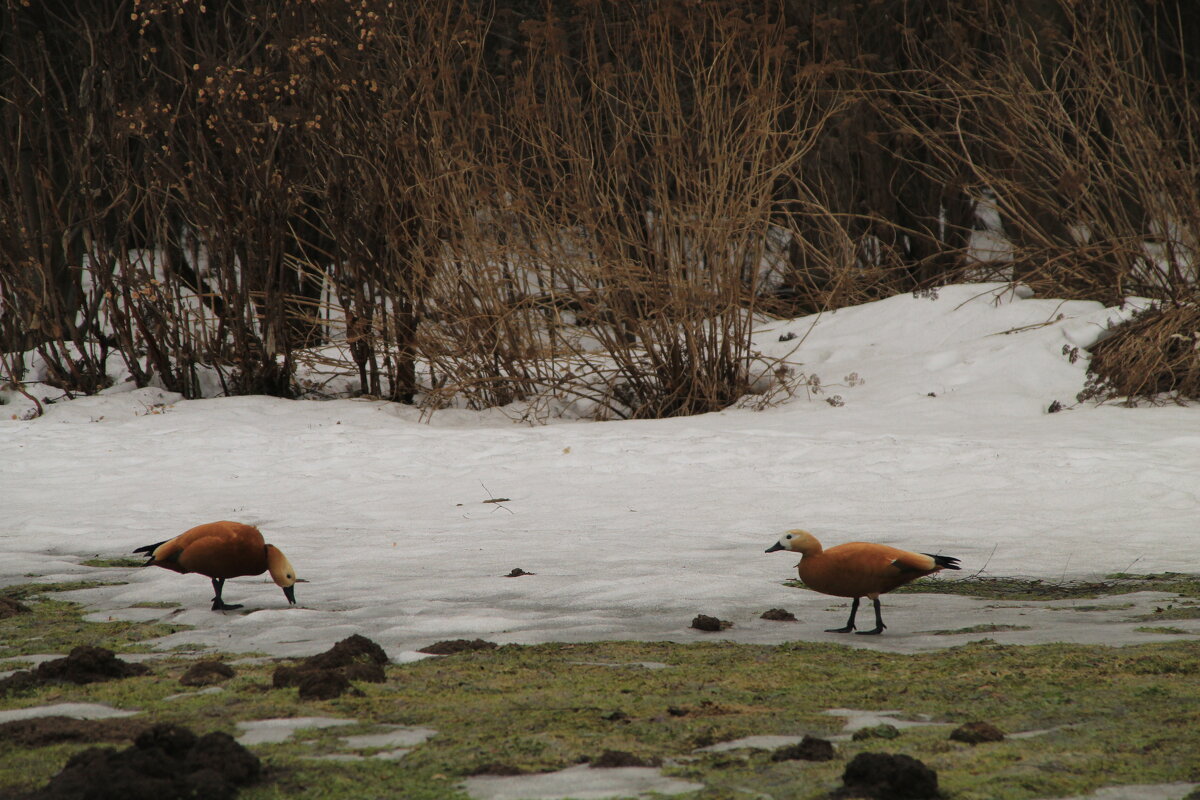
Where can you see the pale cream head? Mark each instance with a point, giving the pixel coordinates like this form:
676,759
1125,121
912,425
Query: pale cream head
281,569
798,541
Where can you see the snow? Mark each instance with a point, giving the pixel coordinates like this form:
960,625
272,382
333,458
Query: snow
72,710
273,731
939,441
1161,791
578,783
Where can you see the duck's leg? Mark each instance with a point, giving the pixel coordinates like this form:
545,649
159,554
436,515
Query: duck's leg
218,603
879,626
849,623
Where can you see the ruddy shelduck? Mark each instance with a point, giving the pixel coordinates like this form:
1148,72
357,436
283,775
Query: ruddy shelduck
857,570
223,550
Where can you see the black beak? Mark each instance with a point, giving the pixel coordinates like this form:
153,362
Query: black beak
290,593
773,548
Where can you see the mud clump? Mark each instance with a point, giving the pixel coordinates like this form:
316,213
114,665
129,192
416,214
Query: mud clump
883,776
166,762
206,673
21,681
778,615
619,758
322,684
328,675
451,646
703,622
977,733
10,608
497,768
810,748
84,664
42,731
351,650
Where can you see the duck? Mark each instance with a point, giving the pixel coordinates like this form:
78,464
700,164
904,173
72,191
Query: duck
858,570
222,550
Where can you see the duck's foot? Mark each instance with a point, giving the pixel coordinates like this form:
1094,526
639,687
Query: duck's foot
220,605
874,632
847,629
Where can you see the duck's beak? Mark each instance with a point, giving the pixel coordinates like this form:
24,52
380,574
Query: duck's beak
774,547
290,593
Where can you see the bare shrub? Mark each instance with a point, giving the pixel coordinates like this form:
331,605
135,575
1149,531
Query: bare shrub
1068,119
649,147
1156,355
581,206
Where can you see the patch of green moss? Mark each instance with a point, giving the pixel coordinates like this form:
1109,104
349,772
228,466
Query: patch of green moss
1115,715
23,591
1094,607
1111,715
57,626
986,628
1170,612
1038,589
1176,582
114,562
1162,629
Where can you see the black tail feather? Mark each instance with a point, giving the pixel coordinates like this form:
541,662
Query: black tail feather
149,549
945,562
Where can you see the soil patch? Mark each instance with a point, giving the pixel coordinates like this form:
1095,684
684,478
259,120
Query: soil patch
779,615
452,646
166,762
42,731
703,622
883,776
328,675
977,733
85,664
809,748
206,673
619,758
10,608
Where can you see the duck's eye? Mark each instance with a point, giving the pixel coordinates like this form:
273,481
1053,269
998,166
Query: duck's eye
789,536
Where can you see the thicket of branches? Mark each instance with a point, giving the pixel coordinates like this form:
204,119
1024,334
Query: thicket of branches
483,202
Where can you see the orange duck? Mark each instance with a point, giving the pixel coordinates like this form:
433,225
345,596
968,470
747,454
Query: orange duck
223,550
857,570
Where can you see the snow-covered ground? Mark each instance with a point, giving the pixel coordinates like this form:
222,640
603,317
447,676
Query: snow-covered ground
939,441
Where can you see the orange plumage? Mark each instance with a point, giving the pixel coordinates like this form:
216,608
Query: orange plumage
222,550
858,569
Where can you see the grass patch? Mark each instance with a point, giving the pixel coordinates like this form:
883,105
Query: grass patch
24,591
542,708
1162,629
1115,715
1038,589
987,628
114,562
57,626
1170,612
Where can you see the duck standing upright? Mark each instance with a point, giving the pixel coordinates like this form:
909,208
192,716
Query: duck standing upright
857,570
223,550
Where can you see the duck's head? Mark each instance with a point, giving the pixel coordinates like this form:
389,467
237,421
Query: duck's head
797,541
282,572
